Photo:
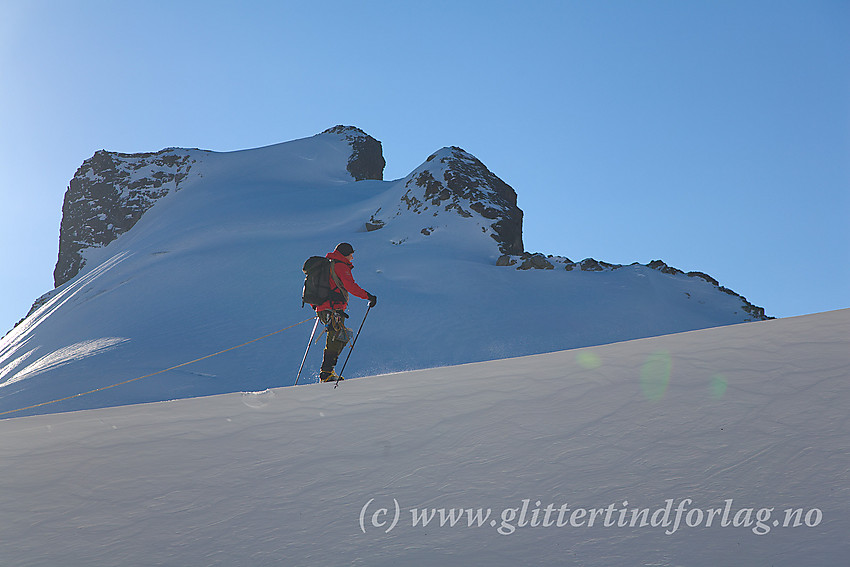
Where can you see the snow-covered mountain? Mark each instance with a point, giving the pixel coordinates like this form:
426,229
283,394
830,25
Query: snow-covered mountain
722,447
171,256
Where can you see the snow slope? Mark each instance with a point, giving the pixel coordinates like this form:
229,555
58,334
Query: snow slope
218,263
749,420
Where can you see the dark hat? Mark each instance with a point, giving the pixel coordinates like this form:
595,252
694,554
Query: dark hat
345,248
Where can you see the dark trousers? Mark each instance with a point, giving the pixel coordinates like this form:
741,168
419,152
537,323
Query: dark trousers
338,337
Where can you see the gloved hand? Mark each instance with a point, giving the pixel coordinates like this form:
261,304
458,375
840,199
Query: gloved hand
373,301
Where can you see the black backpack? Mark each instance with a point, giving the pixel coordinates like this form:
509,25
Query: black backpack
317,282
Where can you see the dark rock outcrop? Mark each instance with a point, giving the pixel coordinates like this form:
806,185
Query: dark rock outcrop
367,156
664,268
705,277
536,262
107,196
528,261
453,180
594,265
756,312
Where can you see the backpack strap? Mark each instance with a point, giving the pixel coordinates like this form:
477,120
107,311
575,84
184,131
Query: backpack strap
340,288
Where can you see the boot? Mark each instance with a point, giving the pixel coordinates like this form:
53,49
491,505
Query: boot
329,377
329,360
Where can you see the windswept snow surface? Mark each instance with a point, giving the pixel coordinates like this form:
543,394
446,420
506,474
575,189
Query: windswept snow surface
748,420
218,263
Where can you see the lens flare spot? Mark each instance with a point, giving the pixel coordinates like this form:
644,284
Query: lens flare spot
718,386
655,375
588,360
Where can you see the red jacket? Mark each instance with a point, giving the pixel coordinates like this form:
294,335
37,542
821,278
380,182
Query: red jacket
342,267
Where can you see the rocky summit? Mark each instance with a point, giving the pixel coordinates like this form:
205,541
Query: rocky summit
454,181
107,196
111,191
367,156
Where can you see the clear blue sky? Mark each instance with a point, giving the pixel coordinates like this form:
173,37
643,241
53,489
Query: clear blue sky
712,135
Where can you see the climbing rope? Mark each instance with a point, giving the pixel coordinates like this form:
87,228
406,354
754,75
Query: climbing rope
153,373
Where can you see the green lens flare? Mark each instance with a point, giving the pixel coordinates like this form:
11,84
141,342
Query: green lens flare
718,385
655,375
588,360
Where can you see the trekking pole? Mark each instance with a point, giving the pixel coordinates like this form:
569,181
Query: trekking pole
300,368
354,342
